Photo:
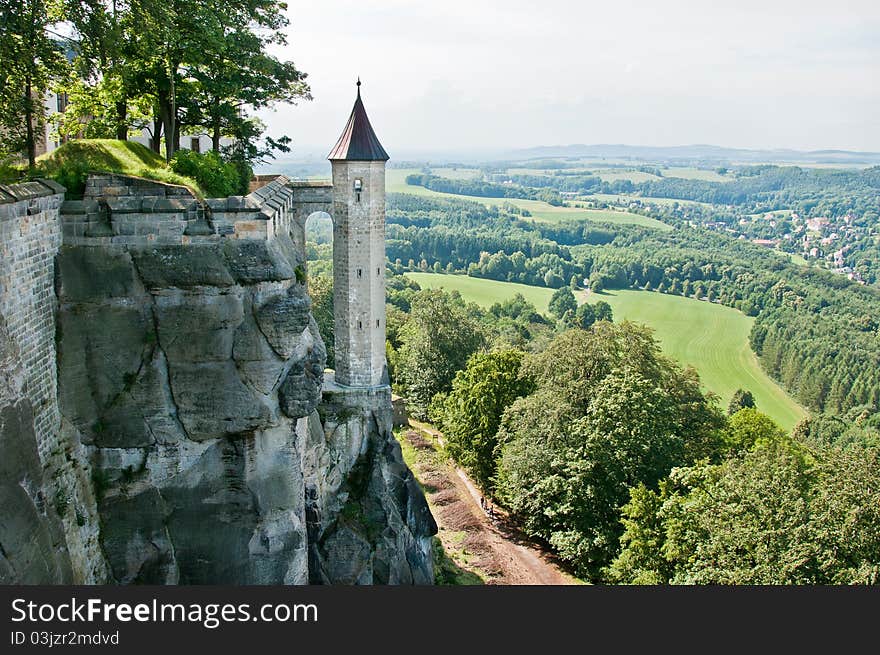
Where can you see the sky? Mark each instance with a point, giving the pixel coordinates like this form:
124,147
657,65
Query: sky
482,75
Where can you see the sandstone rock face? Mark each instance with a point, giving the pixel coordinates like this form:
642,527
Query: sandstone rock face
368,520
192,376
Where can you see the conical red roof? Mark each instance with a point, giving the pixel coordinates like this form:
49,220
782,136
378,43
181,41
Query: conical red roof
358,141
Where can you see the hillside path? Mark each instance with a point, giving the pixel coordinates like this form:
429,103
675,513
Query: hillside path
496,549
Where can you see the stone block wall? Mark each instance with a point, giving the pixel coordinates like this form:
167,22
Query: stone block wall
40,457
129,211
359,273
30,237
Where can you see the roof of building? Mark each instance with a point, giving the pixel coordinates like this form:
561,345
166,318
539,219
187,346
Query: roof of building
358,141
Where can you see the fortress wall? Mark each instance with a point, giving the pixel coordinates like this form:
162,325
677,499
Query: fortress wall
46,480
128,211
30,235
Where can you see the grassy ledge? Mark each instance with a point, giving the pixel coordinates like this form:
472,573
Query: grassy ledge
70,163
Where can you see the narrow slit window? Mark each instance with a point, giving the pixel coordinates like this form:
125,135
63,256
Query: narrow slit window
360,272
358,187
378,272
377,322
360,325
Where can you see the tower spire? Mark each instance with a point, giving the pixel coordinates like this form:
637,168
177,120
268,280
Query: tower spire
358,141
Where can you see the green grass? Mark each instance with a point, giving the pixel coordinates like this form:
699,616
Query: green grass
710,337
613,175
624,200
458,173
796,258
110,156
395,182
484,292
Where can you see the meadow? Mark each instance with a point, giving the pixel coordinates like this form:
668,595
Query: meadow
395,182
484,292
710,337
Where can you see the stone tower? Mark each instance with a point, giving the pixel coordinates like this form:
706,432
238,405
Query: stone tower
358,162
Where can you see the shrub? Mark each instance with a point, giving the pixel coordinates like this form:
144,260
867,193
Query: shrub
72,175
216,177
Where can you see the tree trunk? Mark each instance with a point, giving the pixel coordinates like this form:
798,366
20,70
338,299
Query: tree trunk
215,137
157,135
215,134
30,138
167,118
122,120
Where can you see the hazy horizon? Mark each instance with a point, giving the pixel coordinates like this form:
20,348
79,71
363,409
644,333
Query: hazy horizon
487,76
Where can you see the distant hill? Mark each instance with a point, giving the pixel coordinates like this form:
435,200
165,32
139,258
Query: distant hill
698,152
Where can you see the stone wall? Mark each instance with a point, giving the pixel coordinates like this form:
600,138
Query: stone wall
30,236
128,211
45,478
359,273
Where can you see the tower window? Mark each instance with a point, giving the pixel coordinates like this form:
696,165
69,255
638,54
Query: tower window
358,187
360,272
360,325
377,322
378,272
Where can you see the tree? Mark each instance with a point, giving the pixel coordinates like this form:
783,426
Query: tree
585,316
603,311
608,412
472,410
740,400
562,301
748,428
435,343
30,61
321,293
773,515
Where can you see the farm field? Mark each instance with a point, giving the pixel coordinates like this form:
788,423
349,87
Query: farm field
624,200
484,292
457,173
395,182
711,338
613,175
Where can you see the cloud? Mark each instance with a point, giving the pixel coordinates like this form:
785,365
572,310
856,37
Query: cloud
491,74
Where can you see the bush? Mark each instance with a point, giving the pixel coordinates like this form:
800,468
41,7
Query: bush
216,177
72,175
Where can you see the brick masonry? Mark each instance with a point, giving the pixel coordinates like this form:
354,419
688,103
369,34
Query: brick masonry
30,236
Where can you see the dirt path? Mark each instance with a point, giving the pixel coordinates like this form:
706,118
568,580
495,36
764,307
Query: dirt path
493,548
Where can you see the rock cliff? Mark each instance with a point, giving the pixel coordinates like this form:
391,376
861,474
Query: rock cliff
192,377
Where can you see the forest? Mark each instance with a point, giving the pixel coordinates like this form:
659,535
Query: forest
605,449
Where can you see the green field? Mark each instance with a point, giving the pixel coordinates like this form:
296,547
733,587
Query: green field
613,175
711,338
484,292
796,258
395,182
458,173
624,200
